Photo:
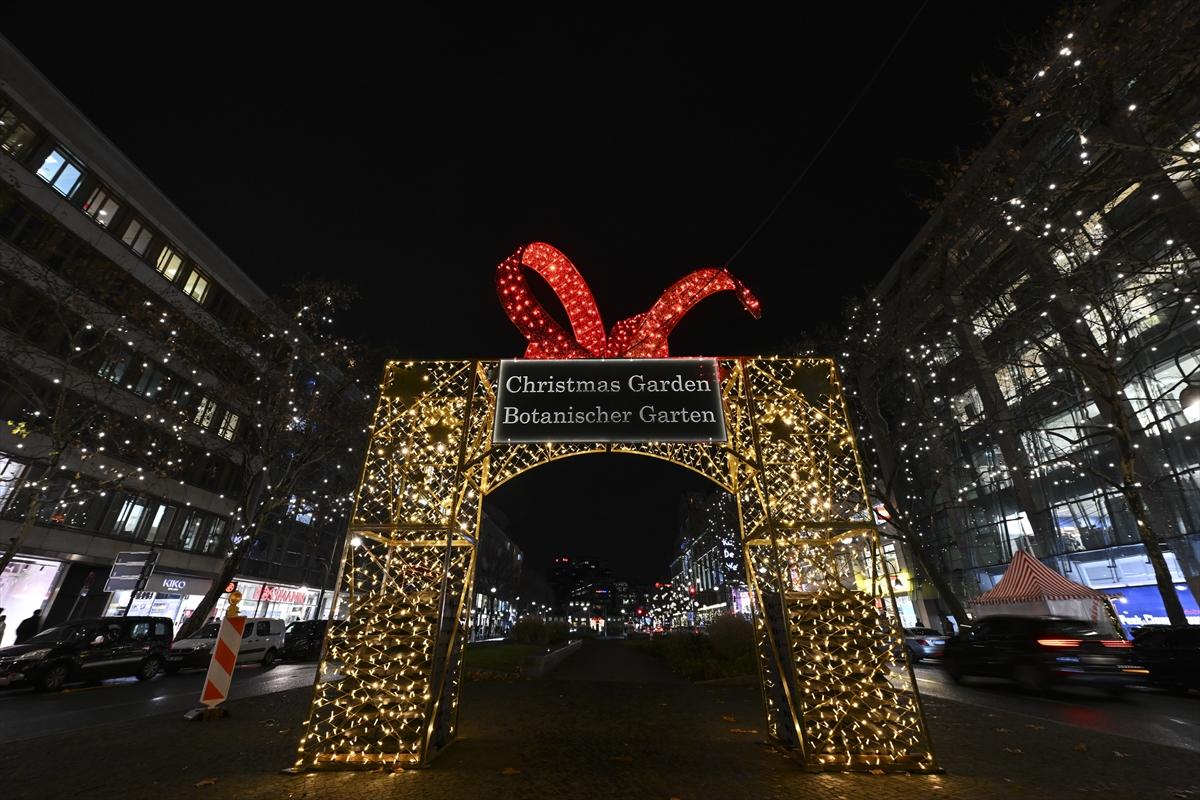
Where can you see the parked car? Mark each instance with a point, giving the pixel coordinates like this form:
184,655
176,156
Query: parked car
924,643
262,641
1041,652
1172,657
88,650
302,640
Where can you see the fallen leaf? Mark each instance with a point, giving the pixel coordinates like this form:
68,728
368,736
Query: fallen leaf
622,759
510,771
729,718
1036,727
876,772
284,731
993,715
1012,750
1000,730
1080,748
742,730
206,782
1119,754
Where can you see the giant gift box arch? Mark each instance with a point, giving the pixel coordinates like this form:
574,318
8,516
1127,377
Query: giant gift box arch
835,682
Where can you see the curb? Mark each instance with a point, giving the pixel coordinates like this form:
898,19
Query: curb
538,666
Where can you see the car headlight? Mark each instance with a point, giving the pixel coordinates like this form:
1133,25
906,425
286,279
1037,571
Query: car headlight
34,654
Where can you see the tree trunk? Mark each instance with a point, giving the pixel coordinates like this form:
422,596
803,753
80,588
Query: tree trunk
945,592
228,569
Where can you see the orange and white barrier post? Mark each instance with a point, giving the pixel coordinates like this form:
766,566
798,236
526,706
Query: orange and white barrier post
224,659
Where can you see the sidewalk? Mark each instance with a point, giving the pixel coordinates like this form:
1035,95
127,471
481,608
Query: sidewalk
577,738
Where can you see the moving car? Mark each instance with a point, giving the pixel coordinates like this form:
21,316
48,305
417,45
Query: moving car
924,643
1041,652
262,641
302,639
1172,656
88,650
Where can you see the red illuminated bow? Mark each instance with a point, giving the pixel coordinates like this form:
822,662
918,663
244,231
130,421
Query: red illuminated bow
641,336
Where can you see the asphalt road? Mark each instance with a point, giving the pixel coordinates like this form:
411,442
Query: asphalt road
1143,714
25,714
1147,715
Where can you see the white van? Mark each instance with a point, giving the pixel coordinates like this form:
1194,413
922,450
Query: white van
262,643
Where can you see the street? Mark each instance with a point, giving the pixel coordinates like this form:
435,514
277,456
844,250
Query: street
1147,715
25,714
610,722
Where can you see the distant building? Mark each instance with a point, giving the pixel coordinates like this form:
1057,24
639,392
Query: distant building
708,573
497,581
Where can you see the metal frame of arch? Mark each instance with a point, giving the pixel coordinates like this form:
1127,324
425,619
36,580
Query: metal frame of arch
826,628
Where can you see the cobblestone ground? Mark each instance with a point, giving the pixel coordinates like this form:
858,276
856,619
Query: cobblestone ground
606,726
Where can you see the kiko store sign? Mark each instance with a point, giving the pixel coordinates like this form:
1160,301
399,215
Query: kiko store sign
609,400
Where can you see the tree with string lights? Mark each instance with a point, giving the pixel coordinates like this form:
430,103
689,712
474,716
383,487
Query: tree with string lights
301,417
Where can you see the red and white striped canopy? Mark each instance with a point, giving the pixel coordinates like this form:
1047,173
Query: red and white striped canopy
1028,579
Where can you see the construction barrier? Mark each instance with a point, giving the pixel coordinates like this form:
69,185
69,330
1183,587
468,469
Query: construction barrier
224,659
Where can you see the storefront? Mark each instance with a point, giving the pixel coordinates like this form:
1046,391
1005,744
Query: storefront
166,595
27,585
278,600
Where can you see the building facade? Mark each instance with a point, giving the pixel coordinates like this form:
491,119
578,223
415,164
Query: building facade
1027,376
494,607
97,271
708,566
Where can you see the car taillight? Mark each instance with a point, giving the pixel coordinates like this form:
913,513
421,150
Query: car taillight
1116,643
922,642
1058,642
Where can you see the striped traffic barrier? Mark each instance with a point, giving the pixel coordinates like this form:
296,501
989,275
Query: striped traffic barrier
224,659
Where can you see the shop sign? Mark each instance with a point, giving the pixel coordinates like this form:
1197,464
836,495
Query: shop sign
279,594
609,400
178,584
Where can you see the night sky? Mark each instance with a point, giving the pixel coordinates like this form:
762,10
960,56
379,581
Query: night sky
410,154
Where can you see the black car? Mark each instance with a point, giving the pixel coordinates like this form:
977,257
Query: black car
1172,656
1041,652
302,639
88,650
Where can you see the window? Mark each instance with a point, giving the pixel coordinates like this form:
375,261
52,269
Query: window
169,263
189,531
215,537
139,631
967,407
150,382
58,171
15,136
130,515
101,207
205,412
114,367
300,510
136,237
263,628
229,424
196,285
160,524
1155,395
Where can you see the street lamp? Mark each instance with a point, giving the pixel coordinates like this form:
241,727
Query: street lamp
1189,398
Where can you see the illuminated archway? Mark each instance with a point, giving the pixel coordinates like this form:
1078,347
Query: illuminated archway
826,627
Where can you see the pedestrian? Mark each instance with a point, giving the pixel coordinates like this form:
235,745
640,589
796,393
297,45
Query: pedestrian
29,627
3,623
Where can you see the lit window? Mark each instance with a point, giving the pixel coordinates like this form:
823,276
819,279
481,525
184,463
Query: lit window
101,207
169,263
58,171
196,285
136,237
229,425
205,413
15,135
